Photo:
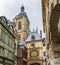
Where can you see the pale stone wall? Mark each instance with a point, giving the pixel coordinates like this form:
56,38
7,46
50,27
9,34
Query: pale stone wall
48,9
40,48
25,27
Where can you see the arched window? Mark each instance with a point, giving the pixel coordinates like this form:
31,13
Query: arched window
32,37
19,25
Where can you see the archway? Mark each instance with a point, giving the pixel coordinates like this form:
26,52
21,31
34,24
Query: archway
35,64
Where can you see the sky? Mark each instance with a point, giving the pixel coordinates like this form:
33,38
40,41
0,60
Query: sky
33,8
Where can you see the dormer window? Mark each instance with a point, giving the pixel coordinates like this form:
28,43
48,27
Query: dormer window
19,26
32,37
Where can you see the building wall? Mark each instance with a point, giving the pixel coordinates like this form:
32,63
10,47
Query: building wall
7,43
40,49
24,31
16,47
50,23
38,46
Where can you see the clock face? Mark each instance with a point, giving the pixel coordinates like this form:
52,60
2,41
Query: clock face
34,53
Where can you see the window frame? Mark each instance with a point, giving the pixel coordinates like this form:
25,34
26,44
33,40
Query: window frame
19,25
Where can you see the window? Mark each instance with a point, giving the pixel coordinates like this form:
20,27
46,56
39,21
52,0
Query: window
45,59
6,53
43,44
19,25
0,33
9,55
3,36
32,44
6,38
44,53
19,38
9,41
33,37
12,43
1,51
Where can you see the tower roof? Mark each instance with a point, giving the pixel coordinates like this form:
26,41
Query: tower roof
22,13
22,8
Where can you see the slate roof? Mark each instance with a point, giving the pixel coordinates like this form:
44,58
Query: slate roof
21,14
35,34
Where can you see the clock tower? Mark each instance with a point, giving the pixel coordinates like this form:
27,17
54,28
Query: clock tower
35,48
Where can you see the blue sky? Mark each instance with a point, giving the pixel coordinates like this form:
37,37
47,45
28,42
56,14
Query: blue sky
10,8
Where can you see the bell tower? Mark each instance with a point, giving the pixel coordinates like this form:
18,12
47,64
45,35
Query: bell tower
22,25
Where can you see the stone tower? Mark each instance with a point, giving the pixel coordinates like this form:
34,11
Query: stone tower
22,25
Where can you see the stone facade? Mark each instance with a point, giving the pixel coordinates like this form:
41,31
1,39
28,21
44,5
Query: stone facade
51,17
36,48
7,42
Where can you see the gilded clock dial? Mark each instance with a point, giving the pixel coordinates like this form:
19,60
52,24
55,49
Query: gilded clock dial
34,53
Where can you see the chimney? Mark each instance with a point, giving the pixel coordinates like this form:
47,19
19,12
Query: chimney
40,33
